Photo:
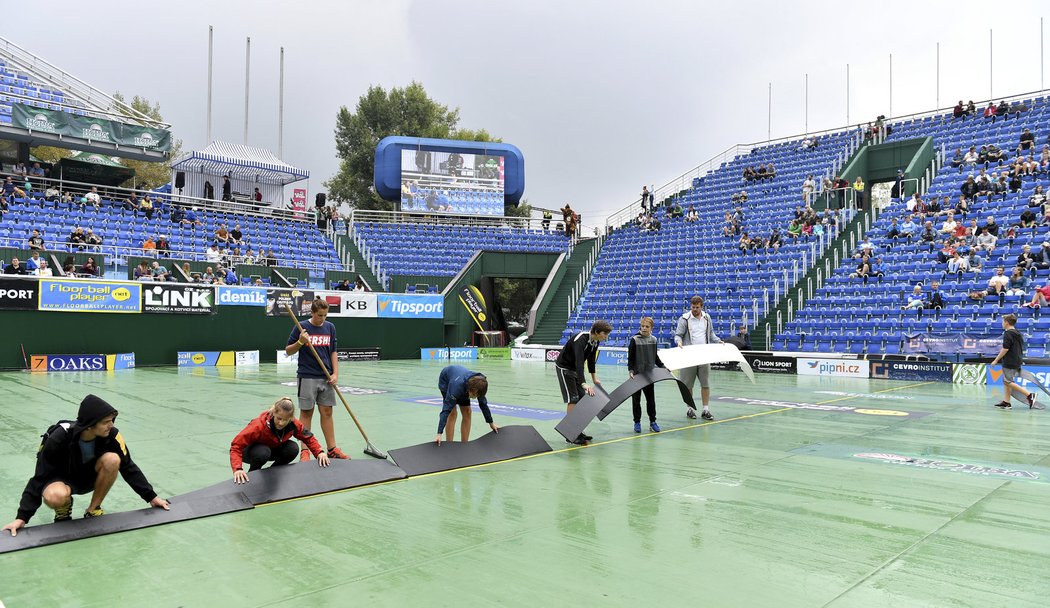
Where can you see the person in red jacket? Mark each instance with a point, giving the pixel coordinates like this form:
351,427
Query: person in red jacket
272,436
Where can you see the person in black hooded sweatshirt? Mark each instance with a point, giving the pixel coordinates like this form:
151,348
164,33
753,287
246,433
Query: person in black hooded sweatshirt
78,458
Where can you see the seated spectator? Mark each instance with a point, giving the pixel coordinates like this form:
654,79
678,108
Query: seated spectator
971,157
271,259
957,160
190,217
160,273
146,207
1040,297
916,301
995,154
959,111
794,229
982,157
998,188
863,269
1003,109
866,248
1038,197
928,235
971,109
163,246
149,246
343,285
949,225
178,216
986,241
93,240
44,271
52,195
878,270
1028,219
989,112
236,236
807,228
771,171
692,216
908,228
1042,257
934,208
15,267
208,276
1018,285
231,277
249,257
962,206
936,299
78,239
131,203
958,264
222,236
90,268
1027,140
749,174
969,188
974,261
143,272
33,263
744,242
808,143
915,204
35,241
743,197
1015,182
999,283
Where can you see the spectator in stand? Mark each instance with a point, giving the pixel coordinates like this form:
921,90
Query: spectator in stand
1003,109
1026,259
916,301
93,240
645,199
692,216
44,271
36,170
163,246
894,232
208,276
929,235
178,216
257,195
15,267
1040,297
249,257
808,143
808,187
915,204
359,284
160,273
343,285
743,197
991,227
957,160
78,239
227,188
231,277
863,269
143,272
1015,183
146,207
841,185
999,283
52,195
1042,257
1026,141
878,270
794,230
1038,197
35,241
1018,285
190,217
236,236
33,263
949,225
971,109
744,242
969,188
989,112
958,264
936,299
1028,219
995,154
975,261
858,192
971,157
149,246
131,203
986,241
222,236
934,208
962,206
90,268
771,171
749,174
998,187
908,228
958,111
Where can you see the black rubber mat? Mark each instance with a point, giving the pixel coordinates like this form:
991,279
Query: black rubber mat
582,414
112,523
636,384
509,442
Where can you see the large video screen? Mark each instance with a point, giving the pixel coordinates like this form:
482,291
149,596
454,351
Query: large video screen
449,182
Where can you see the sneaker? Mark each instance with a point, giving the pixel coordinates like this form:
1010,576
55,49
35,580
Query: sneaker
586,437
1031,401
304,455
1004,405
65,513
96,512
706,415
335,452
637,427
654,427
690,413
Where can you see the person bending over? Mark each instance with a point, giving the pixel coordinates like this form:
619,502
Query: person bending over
81,457
458,385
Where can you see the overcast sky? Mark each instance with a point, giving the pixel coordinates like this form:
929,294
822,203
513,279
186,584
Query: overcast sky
600,96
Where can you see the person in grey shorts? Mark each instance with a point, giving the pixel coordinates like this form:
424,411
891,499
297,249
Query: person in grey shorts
696,327
1012,357
314,387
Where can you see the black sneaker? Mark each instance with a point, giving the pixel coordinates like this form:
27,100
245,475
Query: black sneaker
1004,405
706,415
65,513
1031,401
586,437
578,441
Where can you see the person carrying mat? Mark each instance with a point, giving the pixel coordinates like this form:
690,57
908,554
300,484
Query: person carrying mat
77,458
583,347
641,358
458,385
271,437
695,327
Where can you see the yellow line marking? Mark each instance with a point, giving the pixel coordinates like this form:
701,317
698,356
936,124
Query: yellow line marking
560,451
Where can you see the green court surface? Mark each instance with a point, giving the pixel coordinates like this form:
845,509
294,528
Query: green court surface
944,501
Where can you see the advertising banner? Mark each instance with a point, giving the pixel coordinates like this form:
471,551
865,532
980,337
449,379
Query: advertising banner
995,376
18,294
916,371
239,296
88,127
206,359
67,363
351,304
494,353
299,202
474,301
552,354
246,357
178,299
38,119
528,354
91,128
970,373
120,361
441,353
357,354
612,355
90,296
284,358
403,306
770,364
299,300
955,344
834,368
145,137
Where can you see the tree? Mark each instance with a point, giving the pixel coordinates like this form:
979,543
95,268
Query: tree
407,111
148,174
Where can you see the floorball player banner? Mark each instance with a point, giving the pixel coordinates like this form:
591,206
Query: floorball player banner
704,354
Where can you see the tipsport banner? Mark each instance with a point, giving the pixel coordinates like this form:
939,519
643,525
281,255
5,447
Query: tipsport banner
89,127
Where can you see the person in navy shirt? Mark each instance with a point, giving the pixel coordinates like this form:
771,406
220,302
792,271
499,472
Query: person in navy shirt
458,385
314,388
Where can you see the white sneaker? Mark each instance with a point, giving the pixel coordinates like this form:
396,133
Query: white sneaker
690,413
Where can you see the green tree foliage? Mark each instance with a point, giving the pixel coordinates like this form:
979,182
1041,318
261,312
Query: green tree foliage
407,111
516,297
149,175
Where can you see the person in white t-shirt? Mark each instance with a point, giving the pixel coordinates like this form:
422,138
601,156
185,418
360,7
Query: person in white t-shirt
696,327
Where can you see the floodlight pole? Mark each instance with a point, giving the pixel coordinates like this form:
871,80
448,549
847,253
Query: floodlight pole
990,68
847,93
937,104
211,46
769,115
891,86
247,73
807,105
280,111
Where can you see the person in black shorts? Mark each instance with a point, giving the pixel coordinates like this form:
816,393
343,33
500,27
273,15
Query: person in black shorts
78,458
1012,356
569,367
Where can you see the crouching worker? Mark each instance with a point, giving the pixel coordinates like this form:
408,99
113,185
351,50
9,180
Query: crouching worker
81,457
458,385
271,437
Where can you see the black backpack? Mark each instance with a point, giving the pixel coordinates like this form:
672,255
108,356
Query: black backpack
63,424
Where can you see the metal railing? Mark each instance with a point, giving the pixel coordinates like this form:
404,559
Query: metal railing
584,277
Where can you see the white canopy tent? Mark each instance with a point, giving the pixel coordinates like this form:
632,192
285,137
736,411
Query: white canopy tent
248,167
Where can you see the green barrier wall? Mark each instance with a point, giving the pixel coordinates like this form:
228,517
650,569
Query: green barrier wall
156,338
